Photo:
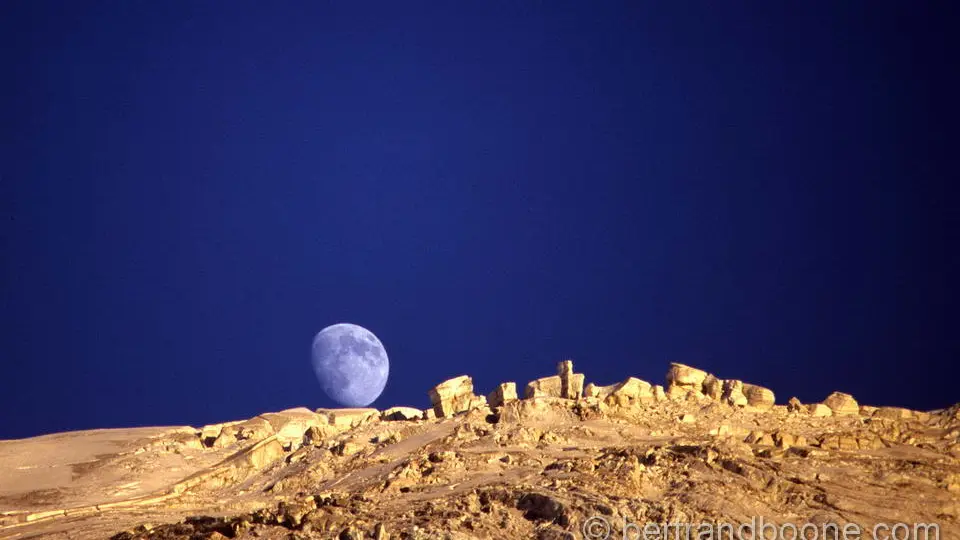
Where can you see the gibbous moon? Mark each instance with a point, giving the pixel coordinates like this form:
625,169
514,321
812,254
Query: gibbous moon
351,364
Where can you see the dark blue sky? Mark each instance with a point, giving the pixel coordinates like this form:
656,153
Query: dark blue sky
191,190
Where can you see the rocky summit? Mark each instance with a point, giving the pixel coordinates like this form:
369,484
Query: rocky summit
561,458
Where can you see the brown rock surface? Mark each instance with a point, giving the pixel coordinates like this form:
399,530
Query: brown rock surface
532,468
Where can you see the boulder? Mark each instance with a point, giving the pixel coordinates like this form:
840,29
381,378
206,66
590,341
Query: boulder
678,393
819,410
629,392
758,396
850,441
658,393
571,384
504,393
452,396
477,402
600,392
398,414
210,433
686,376
867,410
545,387
290,425
254,429
723,430
319,435
349,447
713,387
794,405
733,393
634,388
348,418
892,413
784,440
842,404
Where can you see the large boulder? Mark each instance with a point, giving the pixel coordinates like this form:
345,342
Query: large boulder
842,404
503,393
733,393
452,396
544,387
686,377
291,424
758,396
713,387
819,410
630,392
794,405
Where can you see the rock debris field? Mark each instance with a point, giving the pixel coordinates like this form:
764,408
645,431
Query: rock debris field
561,459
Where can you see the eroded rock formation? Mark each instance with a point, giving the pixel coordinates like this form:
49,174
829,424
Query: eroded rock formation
699,449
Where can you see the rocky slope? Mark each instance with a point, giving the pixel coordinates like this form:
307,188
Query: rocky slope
564,461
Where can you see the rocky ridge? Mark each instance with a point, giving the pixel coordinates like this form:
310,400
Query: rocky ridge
696,449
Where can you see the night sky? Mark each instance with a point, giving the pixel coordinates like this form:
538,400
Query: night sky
190,190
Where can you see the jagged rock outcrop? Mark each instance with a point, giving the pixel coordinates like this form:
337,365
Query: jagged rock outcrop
348,418
794,405
290,425
452,396
543,387
565,384
401,414
571,384
503,393
232,433
733,393
527,468
713,387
